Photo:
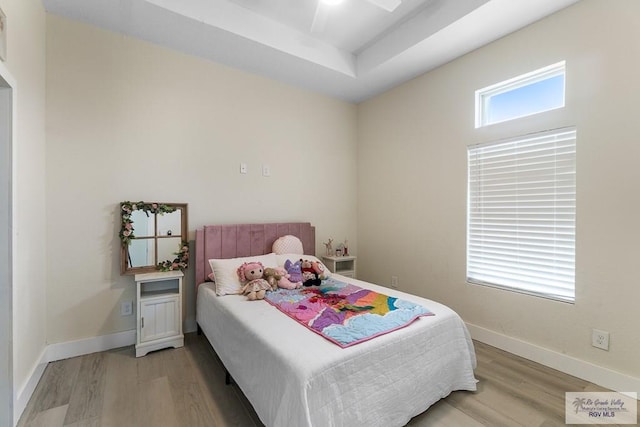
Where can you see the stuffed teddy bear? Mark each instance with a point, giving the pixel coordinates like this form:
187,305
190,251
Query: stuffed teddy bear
272,276
295,271
309,275
251,277
279,278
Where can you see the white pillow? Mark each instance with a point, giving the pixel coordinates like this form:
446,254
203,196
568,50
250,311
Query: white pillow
225,271
282,258
287,245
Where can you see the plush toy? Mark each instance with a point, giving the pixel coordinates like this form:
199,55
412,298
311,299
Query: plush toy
272,275
285,281
253,284
279,278
295,271
309,275
318,268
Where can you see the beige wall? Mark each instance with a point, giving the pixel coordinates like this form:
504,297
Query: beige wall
127,120
26,64
412,181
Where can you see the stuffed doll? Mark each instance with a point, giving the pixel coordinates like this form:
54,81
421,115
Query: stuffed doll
309,275
294,270
253,284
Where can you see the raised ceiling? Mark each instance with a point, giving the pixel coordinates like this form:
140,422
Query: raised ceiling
353,50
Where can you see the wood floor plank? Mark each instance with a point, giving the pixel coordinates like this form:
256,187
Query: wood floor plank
484,413
53,417
192,407
156,404
150,367
510,405
188,397
92,422
442,414
531,394
225,404
121,392
87,396
54,389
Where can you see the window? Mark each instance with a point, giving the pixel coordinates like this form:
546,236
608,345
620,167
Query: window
535,92
521,214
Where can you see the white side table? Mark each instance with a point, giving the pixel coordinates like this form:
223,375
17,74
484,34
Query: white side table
344,265
159,314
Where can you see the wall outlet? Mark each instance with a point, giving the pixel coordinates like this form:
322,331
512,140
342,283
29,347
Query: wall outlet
266,170
394,282
600,339
126,308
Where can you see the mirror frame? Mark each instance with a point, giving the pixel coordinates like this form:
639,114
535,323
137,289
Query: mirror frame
126,235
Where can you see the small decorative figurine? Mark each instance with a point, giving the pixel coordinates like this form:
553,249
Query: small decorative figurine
329,248
346,248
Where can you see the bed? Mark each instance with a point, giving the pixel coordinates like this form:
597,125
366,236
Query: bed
294,377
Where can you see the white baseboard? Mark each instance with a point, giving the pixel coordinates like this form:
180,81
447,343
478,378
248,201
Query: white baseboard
570,365
24,393
65,350
69,349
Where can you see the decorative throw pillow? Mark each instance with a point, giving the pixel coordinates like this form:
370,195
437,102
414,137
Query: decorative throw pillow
225,271
287,245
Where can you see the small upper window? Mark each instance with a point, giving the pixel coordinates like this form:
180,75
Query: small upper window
531,93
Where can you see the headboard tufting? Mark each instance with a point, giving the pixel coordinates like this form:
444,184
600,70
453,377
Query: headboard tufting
241,240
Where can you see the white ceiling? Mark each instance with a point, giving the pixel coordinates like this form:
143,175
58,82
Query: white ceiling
351,51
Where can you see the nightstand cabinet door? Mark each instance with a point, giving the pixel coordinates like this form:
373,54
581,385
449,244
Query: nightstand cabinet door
160,318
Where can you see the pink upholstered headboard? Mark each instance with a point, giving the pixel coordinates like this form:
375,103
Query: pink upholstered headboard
241,240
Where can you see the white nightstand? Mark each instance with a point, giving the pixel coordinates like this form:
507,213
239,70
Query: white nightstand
159,314
344,265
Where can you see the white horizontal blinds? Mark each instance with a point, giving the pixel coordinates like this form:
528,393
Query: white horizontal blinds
522,210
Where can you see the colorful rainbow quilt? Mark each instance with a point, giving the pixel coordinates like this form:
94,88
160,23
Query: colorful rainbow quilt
345,314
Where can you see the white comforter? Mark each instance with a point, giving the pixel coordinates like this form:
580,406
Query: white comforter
295,378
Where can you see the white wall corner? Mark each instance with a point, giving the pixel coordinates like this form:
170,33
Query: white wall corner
604,377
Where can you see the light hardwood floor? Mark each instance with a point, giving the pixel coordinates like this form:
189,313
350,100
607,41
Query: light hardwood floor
185,387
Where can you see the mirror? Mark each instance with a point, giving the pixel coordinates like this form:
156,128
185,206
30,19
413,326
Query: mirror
153,236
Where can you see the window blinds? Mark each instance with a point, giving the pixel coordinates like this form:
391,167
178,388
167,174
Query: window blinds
521,214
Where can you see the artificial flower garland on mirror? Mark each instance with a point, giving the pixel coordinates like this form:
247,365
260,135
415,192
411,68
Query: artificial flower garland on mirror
181,261
126,231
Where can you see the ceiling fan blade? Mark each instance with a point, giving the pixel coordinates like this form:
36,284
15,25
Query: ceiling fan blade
388,5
